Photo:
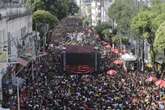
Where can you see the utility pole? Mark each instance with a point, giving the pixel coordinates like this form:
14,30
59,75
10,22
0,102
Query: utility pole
18,96
143,55
139,48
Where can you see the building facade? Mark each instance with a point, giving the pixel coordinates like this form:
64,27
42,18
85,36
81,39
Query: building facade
15,28
95,10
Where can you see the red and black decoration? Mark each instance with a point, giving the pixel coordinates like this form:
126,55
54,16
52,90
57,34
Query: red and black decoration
80,60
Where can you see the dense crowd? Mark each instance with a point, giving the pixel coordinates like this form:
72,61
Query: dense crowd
47,89
124,91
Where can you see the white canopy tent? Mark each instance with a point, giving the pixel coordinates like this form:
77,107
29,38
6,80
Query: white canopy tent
4,108
128,57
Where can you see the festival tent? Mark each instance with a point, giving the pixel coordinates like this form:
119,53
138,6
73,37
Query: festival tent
111,72
128,57
4,108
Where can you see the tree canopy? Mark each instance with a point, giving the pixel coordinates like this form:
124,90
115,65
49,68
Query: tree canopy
123,11
158,20
147,21
120,39
159,43
42,16
59,8
73,8
142,23
102,29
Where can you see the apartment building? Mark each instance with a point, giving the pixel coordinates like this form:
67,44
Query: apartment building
95,10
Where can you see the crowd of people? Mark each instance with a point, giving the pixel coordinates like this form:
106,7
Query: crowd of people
89,92
124,91
47,89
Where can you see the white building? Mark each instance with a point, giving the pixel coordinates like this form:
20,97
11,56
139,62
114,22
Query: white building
95,10
15,25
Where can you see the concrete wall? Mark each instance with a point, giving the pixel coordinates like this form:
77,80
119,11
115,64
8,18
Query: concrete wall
17,29
15,23
3,34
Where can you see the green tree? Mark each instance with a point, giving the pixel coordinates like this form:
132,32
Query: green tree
59,8
42,16
159,43
86,21
73,8
142,23
158,20
102,27
117,40
158,7
147,21
107,34
123,11
124,40
36,5
43,21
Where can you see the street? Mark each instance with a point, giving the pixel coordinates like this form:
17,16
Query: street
82,54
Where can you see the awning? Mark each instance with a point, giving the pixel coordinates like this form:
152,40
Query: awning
128,57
